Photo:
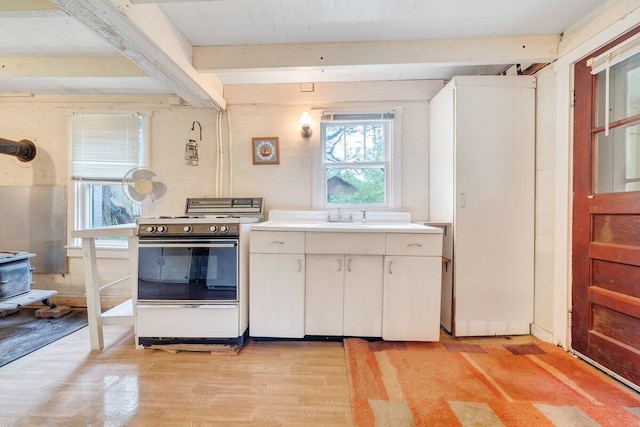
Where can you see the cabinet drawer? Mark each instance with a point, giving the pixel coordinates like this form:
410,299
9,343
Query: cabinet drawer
414,244
277,242
345,243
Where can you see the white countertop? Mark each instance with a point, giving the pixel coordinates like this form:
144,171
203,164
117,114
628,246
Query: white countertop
390,221
346,227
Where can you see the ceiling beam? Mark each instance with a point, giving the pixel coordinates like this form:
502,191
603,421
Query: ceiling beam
69,67
29,9
498,50
166,1
145,35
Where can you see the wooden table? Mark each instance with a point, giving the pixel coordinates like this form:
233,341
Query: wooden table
121,314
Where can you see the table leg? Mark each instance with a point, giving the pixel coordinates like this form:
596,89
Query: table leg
94,308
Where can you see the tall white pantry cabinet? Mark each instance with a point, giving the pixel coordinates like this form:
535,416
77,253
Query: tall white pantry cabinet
482,170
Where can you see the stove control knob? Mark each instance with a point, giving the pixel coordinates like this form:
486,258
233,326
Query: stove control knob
186,228
224,228
150,229
162,229
213,228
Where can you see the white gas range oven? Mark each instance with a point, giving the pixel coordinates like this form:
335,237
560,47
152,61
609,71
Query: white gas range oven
193,273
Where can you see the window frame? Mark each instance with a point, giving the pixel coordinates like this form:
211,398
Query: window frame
392,160
77,192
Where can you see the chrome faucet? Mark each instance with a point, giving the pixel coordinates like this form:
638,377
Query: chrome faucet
339,217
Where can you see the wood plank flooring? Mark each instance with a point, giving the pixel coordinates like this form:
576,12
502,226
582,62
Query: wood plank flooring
269,383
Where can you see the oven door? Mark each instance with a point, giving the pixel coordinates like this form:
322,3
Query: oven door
187,270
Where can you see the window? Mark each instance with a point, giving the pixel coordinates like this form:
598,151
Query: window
103,148
357,160
617,118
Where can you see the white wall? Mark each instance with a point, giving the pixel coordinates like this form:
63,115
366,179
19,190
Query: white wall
274,111
46,125
287,185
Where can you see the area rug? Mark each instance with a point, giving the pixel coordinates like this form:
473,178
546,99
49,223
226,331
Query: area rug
453,384
23,332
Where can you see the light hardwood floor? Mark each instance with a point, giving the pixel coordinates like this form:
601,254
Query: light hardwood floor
275,383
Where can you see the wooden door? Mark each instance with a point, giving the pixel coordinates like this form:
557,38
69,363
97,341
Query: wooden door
605,325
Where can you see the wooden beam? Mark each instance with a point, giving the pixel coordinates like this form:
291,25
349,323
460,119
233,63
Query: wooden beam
499,50
29,9
145,34
165,1
69,67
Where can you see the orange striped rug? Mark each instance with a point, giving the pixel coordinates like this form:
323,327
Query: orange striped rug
450,384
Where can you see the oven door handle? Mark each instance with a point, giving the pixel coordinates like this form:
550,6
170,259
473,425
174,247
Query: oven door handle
187,245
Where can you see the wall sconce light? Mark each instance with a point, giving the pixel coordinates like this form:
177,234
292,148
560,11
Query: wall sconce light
305,122
191,156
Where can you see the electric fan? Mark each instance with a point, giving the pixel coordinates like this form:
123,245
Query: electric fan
143,186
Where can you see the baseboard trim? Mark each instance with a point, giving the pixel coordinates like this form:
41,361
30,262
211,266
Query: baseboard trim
541,333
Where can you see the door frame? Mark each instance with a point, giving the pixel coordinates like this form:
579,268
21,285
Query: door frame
612,25
582,243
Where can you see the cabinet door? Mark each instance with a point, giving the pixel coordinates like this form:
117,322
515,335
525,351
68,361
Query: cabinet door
494,228
276,297
363,296
411,298
324,295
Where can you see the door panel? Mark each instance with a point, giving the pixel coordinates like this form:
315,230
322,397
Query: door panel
363,295
606,219
324,295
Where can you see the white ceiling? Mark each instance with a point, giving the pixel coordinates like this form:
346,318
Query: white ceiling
193,48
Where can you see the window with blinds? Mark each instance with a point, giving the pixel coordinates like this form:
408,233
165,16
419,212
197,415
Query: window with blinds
104,147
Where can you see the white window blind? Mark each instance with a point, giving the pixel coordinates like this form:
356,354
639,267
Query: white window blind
105,146
608,59
615,55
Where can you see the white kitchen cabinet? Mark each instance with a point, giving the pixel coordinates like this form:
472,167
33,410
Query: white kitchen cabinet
482,182
343,289
411,299
277,281
412,284
344,295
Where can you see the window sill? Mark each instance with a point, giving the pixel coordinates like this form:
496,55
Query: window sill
102,252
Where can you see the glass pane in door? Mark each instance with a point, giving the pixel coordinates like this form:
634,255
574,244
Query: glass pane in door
624,91
618,160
